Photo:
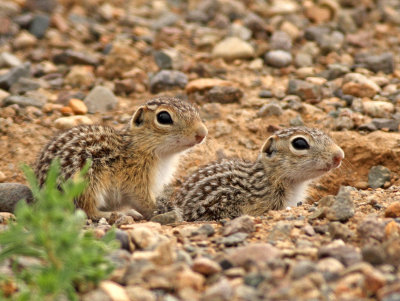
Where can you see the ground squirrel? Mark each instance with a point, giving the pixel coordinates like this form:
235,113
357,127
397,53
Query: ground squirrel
129,167
287,162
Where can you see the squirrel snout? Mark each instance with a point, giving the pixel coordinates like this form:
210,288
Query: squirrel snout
201,134
337,158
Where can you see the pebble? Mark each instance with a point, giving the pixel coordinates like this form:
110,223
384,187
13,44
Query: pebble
303,60
9,60
124,240
304,89
168,79
11,193
347,255
302,269
338,230
378,176
393,210
24,40
240,31
168,59
382,62
143,237
72,57
244,223
138,293
278,58
206,84
115,291
371,228
2,176
224,94
78,106
80,76
374,254
23,101
206,266
234,239
12,76
39,25
232,48
260,253
343,207
271,109
358,85
222,290
64,123
386,123
100,99
379,109
265,94
280,40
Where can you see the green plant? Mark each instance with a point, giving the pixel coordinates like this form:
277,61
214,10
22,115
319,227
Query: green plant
69,258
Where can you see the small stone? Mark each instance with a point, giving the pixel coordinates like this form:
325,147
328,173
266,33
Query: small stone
3,95
271,109
393,210
124,240
386,123
331,42
78,106
24,85
2,177
302,268
340,231
206,266
100,99
278,58
303,60
202,84
137,293
348,255
265,94
222,290
72,57
309,230
343,207
234,239
233,48
297,121
222,129
240,31
143,237
11,193
223,94
24,40
167,79
80,76
115,291
330,265
259,253
39,25
244,223
373,254
303,89
168,59
189,279
9,60
23,101
383,62
280,231
377,176
280,40
12,76
64,123
358,85
206,229
380,109
166,218
371,228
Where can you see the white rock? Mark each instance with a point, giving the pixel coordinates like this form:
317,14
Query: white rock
378,109
64,123
233,48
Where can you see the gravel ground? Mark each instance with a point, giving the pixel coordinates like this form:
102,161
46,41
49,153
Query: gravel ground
252,67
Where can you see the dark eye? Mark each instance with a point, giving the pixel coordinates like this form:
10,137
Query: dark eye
164,118
300,143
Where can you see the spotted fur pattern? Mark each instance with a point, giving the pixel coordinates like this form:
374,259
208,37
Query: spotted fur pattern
232,187
126,164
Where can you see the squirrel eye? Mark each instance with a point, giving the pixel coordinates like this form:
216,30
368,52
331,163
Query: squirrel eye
164,118
300,144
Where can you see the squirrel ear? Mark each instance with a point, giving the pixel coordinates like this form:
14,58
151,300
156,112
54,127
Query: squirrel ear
137,118
269,148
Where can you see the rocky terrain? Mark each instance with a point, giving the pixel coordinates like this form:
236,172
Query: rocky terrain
252,67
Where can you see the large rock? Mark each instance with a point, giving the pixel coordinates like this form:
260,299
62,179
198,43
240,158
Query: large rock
233,48
378,176
11,193
358,85
100,99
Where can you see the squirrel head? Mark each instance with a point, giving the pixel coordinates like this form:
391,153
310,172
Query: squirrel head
301,153
167,125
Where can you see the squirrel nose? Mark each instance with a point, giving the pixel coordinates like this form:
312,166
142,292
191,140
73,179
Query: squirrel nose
201,134
337,158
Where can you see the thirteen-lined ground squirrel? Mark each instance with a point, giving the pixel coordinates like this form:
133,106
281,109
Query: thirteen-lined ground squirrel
129,167
279,177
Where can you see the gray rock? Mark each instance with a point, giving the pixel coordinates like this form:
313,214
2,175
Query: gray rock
224,94
278,58
348,255
9,60
372,229
206,229
377,176
343,207
280,40
259,253
386,123
335,71
123,238
346,22
280,231
382,62
304,90
302,268
303,60
373,253
11,193
12,76
240,31
265,94
39,25
331,42
297,121
167,79
315,33
244,223
72,57
340,231
23,101
168,59
234,239
100,99
24,85
270,109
